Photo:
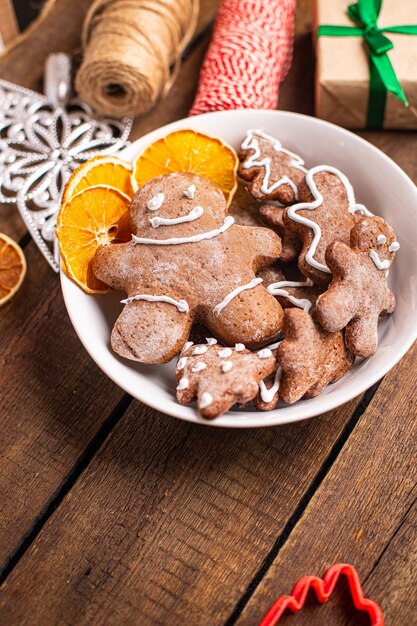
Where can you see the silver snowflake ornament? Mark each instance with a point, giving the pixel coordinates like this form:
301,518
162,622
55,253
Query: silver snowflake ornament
43,139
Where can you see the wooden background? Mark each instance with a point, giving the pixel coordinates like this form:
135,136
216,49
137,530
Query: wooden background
114,514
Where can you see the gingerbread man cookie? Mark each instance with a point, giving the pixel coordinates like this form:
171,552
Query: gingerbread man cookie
273,172
273,215
310,357
187,262
220,377
325,213
358,293
301,292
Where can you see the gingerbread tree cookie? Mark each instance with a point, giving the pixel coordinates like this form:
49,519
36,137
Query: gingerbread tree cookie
187,262
358,293
220,377
325,213
273,172
310,357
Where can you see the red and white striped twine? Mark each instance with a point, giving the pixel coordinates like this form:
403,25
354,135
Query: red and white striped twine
249,55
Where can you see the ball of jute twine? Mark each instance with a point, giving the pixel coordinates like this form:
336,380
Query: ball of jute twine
132,51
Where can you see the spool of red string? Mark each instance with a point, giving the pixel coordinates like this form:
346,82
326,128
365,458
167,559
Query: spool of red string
249,55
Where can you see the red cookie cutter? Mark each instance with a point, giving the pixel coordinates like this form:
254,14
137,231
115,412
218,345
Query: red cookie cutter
324,589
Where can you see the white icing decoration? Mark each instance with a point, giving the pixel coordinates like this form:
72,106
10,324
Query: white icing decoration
182,363
156,202
181,305
381,265
267,395
190,192
227,223
381,239
199,367
205,400
199,350
250,143
265,353
394,247
276,289
225,353
194,214
253,283
353,207
187,345
227,366
211,341
183,384
239,347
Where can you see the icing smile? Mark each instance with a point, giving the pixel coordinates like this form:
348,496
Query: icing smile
194,214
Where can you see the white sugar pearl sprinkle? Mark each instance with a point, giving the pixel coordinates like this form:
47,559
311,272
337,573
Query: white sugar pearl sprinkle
227,366
239,347
182,363
199,367
265,353
205,400
183,384
199,350
211,341
225,353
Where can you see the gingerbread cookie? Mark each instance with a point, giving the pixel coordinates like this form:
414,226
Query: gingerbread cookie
187,262
220,377
273,215
268,394
301,293
310,357
244,208
325,213
358,293
273,172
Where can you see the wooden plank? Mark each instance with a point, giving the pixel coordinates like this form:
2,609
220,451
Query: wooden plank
45,427
169,523
357,511
394,576
54,400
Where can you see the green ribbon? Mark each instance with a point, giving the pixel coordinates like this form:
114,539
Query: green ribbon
382,75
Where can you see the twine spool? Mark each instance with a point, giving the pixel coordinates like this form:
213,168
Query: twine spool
132,51
249,56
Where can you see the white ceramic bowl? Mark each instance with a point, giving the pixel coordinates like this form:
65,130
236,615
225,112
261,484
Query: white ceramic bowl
379,183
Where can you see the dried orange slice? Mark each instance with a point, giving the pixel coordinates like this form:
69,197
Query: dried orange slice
94,217
12,268
189,151
101,170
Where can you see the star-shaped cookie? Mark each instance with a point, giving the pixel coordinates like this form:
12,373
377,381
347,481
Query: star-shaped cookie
310,357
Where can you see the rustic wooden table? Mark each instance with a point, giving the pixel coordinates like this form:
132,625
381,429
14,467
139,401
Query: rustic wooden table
112,513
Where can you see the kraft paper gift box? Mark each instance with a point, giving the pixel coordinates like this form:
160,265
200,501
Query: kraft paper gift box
343,67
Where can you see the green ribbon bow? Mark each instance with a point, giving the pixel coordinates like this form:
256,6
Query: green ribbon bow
382,75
